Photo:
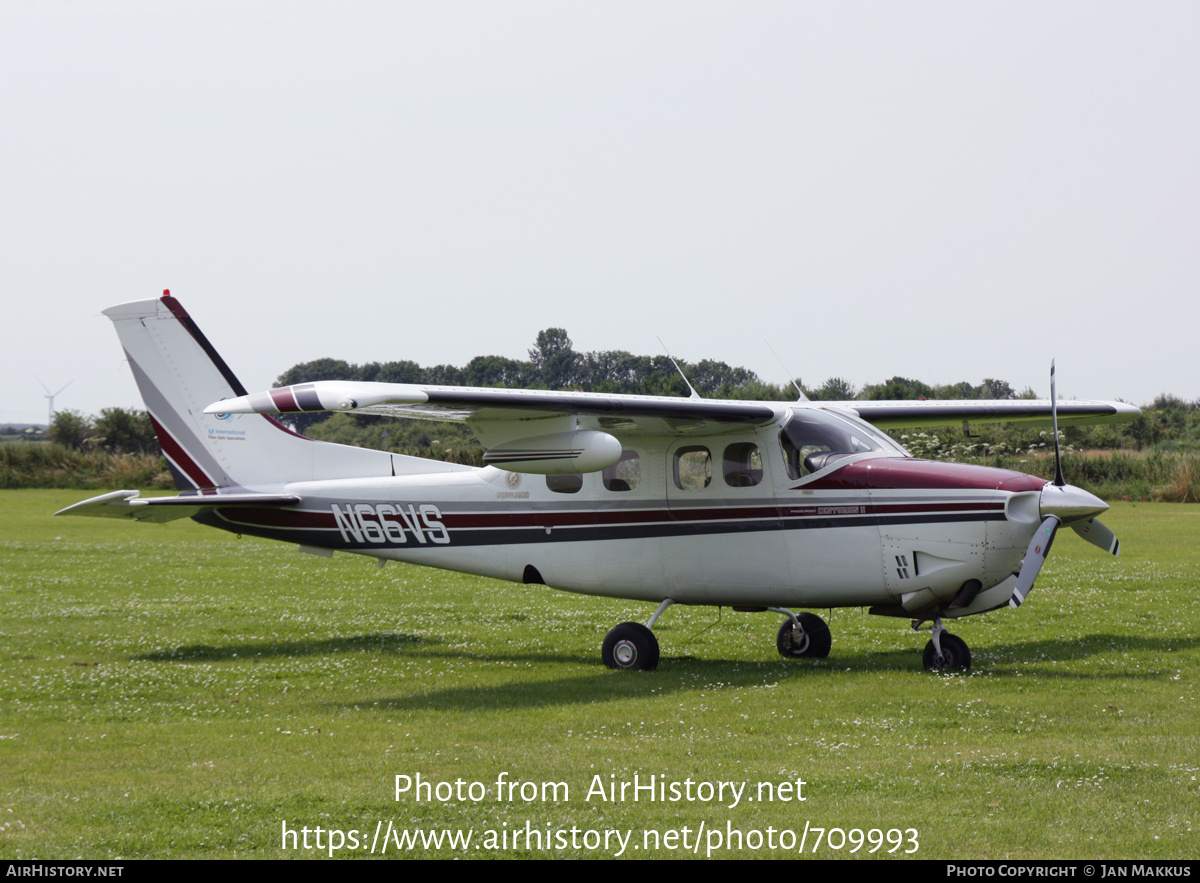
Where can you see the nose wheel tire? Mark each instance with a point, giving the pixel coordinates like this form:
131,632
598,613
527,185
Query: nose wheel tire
956,656
630,646
811,640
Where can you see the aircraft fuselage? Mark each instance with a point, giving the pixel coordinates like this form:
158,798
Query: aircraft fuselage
868,530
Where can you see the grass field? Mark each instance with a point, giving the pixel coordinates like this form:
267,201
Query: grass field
169,691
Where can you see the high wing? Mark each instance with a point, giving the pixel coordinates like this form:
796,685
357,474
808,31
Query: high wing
920,412
479,407
633,413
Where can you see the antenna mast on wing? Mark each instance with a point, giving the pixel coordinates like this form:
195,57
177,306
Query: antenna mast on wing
801,396
691,389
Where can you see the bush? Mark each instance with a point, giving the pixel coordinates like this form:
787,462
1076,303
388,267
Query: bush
54,466
70,429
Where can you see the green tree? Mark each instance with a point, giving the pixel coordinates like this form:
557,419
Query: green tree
835,389
400,372
554,358
897,388
612,371
1173,411
70,429
125,432
711,378
444,375
960,390
318,369
995,389
1146,430
496,371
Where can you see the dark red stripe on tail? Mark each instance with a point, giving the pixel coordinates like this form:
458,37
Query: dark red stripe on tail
185,320
177,455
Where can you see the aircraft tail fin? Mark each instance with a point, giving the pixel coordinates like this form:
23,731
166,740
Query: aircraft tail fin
179,374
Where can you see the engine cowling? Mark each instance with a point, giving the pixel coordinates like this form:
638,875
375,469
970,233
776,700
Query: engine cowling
582,450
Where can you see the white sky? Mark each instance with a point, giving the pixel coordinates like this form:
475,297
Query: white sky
945,191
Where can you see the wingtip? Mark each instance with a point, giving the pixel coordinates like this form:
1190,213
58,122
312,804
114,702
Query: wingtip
1128,411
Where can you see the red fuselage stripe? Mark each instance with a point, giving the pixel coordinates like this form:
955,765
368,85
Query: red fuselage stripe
302,518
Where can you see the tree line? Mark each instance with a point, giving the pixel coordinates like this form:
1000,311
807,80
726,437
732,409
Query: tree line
115,430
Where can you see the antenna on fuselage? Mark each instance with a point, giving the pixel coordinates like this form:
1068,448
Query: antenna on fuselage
801,396
688,383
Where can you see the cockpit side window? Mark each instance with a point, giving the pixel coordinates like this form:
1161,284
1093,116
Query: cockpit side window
813,440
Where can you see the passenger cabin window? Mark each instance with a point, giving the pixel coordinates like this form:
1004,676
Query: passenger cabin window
813,440
742,465
693,468
565,484
625,474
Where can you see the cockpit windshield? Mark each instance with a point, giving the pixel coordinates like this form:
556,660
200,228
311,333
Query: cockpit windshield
814,439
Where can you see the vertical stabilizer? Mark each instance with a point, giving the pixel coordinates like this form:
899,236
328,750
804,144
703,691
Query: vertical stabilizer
179,374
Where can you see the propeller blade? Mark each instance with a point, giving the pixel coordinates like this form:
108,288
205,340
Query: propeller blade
1035,557
1098,535
1058,473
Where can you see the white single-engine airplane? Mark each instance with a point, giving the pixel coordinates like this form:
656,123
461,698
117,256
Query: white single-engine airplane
753,505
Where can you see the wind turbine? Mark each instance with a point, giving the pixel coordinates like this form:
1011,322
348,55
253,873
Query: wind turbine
50,395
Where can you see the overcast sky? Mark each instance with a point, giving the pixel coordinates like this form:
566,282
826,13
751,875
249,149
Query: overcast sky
946,191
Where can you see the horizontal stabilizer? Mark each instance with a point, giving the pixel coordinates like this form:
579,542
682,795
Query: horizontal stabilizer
128,504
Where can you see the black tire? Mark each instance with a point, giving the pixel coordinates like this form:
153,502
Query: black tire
630,646
812,641
956,655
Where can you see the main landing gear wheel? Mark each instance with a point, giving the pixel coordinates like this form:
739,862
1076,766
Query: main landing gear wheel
812,639
956,656
630,646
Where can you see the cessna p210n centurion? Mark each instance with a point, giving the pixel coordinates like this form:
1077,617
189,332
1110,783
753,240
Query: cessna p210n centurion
759,506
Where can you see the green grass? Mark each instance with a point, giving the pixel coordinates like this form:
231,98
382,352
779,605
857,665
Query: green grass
169,691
